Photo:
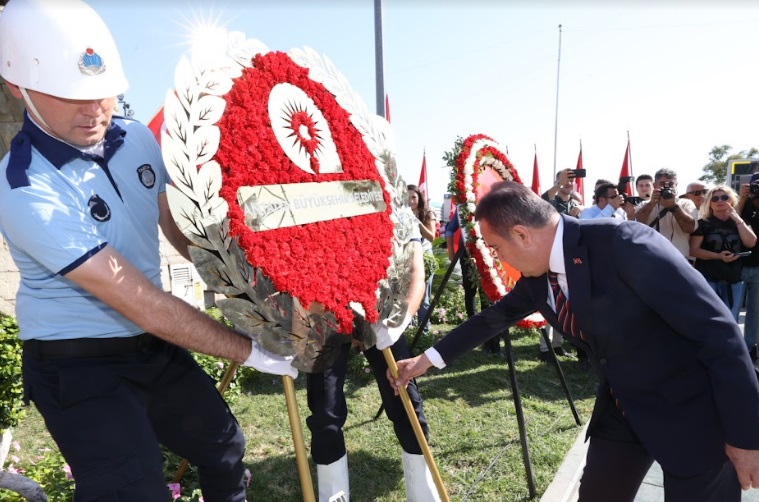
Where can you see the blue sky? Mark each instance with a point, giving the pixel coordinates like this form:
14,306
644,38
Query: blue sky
681,77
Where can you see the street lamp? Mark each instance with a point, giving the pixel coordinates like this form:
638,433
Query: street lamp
125,107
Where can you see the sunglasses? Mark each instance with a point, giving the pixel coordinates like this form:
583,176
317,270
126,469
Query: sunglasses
697,192
718,198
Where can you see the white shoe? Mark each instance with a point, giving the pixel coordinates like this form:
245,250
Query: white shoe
420,486
332,480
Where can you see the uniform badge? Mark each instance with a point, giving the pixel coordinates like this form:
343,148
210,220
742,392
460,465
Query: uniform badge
147,175
99,209
90,62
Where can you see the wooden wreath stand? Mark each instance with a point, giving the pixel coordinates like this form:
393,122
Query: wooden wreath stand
390,360
301,458
512,375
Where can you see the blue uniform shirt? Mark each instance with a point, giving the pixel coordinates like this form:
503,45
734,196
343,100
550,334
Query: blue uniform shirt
59,207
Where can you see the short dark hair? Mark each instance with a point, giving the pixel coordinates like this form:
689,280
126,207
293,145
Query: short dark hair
510,203
644,177
603,189
665,173
601,182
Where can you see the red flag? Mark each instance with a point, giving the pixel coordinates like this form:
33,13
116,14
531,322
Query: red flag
626,168
579,182
387,108
535,175
423,177
156,125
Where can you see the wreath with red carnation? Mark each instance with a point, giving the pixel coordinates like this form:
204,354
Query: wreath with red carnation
256,125
481,163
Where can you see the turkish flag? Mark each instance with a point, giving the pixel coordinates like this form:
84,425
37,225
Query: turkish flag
423,178
579,182
156,125
535,175
626,168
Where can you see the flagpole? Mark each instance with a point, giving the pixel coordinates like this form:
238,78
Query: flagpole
556,120
629,153
379,59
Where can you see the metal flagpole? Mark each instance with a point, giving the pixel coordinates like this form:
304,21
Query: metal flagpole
556,120
629,154
379,59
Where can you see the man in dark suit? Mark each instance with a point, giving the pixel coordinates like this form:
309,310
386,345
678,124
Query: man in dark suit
677,385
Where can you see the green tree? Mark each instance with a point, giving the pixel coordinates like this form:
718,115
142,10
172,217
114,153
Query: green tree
715,171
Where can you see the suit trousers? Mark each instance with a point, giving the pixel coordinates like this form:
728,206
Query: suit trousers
617,462
326,401
108,415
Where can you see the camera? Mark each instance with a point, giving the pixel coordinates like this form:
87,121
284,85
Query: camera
753,189
622,185
631,199
667,192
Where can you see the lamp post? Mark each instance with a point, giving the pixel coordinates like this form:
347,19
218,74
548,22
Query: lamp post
125,107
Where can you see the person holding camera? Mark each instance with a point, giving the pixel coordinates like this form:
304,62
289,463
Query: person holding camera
748,208
674,218
717,243
610,203
561,194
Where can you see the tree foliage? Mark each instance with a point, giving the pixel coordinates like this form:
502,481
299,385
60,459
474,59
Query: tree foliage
715,171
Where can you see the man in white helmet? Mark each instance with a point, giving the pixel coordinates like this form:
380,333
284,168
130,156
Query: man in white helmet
82,194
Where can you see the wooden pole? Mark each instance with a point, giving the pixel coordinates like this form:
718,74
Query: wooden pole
417,427
301,457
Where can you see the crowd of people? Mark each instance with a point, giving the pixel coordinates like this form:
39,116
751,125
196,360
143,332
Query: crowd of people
713,227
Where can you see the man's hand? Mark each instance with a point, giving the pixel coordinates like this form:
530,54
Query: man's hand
267,362
629,209
575,211
668,203
746,464
408,369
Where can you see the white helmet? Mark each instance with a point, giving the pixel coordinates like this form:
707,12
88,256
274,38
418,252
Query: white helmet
59,47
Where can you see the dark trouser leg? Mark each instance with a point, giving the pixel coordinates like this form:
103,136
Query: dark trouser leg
96,411
616,462
192,419
470,290
613,471
393,404
717,485
326,400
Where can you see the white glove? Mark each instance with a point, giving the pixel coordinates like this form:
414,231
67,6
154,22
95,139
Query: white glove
387,337
266,362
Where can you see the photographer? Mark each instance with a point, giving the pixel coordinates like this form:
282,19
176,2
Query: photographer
748,208
608,203
560,195
674,218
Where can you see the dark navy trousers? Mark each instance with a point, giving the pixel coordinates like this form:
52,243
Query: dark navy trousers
326,400
108,415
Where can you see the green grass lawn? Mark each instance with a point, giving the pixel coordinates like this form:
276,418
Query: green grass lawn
474,434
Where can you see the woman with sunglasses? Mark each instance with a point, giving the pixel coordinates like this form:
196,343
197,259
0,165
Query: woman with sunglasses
719,238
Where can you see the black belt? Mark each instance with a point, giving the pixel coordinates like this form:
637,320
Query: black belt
89,347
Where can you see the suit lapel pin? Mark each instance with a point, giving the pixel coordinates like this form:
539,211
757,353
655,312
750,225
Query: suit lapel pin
576,261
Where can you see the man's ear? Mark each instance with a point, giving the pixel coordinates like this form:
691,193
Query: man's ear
521,235
15,91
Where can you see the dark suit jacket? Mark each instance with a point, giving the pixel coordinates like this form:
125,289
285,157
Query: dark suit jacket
658,335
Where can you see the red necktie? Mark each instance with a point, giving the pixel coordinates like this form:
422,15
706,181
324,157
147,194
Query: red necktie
566,317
